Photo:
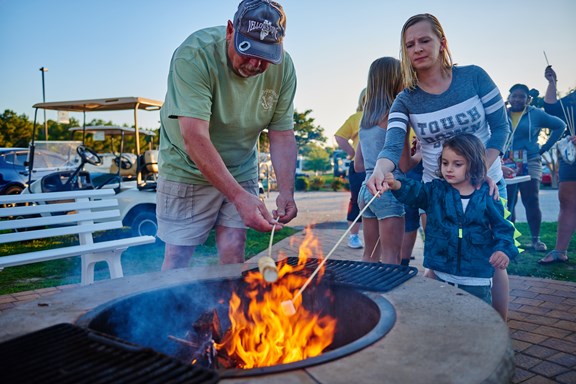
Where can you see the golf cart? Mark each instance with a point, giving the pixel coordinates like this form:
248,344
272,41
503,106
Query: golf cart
127,166
134,180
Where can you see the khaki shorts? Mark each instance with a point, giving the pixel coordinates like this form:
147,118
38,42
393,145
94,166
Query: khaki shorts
186,213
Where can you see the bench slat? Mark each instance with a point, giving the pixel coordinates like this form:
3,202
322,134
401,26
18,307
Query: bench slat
57,207
26,197
66,213
42,221
58,231
77,250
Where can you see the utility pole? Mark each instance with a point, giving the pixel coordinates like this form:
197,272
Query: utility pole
44,69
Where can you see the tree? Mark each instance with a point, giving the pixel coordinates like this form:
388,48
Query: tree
306,131
15,131
318,159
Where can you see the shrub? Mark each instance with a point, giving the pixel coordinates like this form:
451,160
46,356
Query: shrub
337,184
301,184
316,183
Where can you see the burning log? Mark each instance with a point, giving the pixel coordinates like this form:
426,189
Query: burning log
197,345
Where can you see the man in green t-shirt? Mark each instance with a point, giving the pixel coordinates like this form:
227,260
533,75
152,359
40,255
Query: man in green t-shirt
225,86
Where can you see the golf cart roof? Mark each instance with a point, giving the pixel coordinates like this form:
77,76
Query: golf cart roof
110,104
111,130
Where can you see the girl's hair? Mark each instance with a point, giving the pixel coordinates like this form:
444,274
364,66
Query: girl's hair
361,101
471,148
408,72
384,83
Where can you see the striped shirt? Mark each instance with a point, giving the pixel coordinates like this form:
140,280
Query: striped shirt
471,104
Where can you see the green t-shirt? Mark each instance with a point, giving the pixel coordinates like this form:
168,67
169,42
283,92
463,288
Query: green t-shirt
201,85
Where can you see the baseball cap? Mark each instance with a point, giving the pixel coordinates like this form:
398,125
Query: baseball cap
259,28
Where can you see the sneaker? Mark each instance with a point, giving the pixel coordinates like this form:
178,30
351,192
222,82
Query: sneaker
354,242
539,246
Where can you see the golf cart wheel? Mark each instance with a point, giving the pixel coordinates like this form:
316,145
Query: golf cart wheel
144,224
14,189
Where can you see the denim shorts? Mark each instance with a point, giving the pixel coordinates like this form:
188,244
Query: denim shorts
186,213
382,207
567,172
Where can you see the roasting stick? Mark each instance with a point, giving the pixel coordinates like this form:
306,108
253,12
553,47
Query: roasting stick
288,305
266,264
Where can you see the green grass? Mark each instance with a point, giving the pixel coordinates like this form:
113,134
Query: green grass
135,260
527,262
148,258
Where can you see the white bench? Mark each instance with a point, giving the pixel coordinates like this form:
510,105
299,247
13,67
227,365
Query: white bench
46,215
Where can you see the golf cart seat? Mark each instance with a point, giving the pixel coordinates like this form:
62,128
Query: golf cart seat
148,167
128,165
58,182
149,163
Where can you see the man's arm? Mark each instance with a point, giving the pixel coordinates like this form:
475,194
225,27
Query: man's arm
283,153
203,153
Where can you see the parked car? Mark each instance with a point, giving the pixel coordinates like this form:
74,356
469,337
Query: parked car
546,175
14,172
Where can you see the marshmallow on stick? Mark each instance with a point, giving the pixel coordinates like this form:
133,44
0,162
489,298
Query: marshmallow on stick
288,305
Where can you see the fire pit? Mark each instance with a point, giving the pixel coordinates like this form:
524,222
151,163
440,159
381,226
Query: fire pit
161,319
440,335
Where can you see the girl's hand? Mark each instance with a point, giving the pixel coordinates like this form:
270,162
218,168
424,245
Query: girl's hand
391,181
499,260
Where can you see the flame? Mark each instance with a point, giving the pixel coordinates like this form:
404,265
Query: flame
261,334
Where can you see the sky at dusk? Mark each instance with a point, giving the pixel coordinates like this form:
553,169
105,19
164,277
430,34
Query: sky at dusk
111,48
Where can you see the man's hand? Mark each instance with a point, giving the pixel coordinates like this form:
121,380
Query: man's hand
550,75
254,213
286,209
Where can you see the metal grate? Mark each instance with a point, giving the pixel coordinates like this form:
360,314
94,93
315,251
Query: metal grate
378,277
66,353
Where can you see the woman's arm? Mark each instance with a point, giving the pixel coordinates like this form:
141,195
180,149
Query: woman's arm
393,148
556,125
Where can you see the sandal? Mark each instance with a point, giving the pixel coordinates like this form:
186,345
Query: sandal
554,257
539,246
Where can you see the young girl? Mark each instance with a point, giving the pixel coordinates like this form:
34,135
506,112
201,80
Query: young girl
383,220
467,235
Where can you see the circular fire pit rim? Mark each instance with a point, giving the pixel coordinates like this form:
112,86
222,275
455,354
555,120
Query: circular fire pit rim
386,321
